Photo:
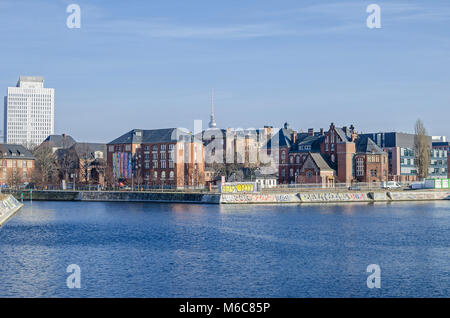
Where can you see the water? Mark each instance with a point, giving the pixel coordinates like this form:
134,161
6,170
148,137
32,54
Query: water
180,250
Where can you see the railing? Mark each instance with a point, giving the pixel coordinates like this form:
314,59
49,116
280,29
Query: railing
360,186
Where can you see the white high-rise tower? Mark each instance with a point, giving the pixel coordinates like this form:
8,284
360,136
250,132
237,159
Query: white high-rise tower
212,122
29,112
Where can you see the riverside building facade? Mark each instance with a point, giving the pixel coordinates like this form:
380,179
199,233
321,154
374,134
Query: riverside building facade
169,158
29,112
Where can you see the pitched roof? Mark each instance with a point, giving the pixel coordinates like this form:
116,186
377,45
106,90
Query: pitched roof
139,136
12,151
312,141
320,162
60,141
367,145
82,148
345,135
283,137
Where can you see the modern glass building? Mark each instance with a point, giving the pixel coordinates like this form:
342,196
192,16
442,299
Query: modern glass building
400,149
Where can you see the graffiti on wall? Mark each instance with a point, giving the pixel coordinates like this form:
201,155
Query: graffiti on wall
258,198
330,197
238,187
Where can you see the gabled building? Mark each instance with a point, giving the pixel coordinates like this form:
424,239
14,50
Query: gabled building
316,170
370,161
17,164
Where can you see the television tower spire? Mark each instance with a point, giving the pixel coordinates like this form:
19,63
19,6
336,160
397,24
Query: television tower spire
212,122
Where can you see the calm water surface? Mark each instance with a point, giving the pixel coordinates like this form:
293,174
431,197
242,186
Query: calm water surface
179,250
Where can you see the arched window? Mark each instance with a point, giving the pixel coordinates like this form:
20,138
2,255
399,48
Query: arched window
155,175
283,156
297,159
332,157
291,159
163,175
171,175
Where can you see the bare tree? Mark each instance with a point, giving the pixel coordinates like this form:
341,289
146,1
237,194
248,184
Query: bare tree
67,163
421,150
85,158
45,165
14,178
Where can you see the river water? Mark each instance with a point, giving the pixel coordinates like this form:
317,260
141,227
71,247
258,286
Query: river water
183,250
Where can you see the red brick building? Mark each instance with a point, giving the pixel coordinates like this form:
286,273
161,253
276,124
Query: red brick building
316,170
159,157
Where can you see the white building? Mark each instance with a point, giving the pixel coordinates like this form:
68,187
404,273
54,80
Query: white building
29,115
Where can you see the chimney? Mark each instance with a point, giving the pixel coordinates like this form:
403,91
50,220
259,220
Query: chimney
321,132
310,131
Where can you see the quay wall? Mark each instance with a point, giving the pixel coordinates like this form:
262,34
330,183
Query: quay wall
236,198
8,207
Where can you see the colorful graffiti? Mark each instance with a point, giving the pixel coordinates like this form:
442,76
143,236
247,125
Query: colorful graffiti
332,197
237,187
122,165
259,198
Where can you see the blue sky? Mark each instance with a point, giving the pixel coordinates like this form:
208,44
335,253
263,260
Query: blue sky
152,64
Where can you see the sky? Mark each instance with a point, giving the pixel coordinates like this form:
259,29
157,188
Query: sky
152,64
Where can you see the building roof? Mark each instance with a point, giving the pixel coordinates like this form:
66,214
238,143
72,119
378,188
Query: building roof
139,136
82,148
367,145
60,141
11,151
37,79
312,141
320,161
283,137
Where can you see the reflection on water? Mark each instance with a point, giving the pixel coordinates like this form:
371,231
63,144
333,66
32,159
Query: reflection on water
182,250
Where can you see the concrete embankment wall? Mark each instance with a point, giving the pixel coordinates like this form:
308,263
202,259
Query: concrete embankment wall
183,197
8,207
119,196
236,198
332,197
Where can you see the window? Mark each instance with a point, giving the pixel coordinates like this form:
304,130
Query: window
291,172
127,147
171,175
309,174
283,156
297,159
163,175
155,175
163,147
163,164
359,166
